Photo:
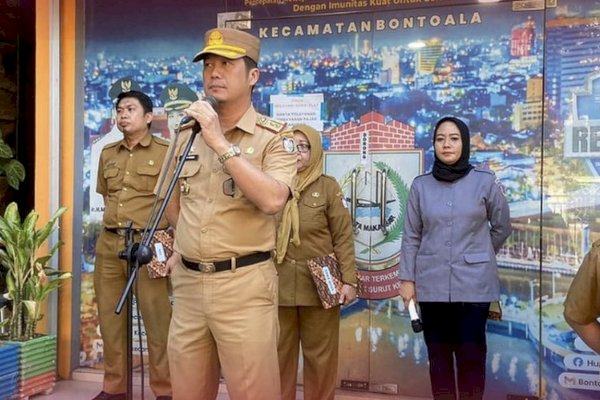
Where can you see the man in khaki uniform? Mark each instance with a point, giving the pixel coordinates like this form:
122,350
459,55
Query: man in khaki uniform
582,305
96,201
237,176
127,174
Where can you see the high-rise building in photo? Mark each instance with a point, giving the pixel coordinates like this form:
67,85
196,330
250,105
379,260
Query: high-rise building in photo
428,56
522,39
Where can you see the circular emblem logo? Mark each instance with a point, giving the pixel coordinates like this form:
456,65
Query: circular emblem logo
215,38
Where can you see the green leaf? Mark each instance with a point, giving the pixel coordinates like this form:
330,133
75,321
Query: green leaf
30,221
402,190
31,307
15,173
10,167
5,150
47,229
11,214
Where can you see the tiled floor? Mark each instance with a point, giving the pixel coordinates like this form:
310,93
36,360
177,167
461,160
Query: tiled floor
87,383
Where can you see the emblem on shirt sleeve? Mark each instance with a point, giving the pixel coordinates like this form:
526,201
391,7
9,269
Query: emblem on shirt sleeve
342,198
500,185
288,145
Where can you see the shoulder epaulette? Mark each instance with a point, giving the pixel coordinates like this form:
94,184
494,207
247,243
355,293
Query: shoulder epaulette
287,133
334,184
487,171
329,177
423,175
270,124
111,145
160,140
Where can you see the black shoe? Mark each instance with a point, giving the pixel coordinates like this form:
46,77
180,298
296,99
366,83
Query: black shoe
108,396
164,398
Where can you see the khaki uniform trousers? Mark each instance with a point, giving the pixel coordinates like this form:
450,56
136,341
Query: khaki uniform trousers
110,279
225,320
317,330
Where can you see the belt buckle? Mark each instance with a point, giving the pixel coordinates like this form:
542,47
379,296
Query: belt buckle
206,267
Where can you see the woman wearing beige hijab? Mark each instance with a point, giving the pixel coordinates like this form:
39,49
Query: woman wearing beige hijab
315,222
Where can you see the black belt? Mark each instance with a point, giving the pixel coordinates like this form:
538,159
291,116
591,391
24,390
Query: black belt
122,231
218,266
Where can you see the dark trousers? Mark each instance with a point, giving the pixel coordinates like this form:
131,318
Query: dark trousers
455,332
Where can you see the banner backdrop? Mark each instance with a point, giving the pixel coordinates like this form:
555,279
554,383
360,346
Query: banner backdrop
374,76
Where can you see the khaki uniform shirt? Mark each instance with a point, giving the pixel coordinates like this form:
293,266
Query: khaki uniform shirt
582,304
325,228
126,180
216,221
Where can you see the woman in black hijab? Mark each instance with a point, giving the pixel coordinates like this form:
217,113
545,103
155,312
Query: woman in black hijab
456,220
449,173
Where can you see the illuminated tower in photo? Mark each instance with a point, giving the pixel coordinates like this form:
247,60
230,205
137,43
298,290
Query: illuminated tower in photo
572,49
390,69
522,39
428,55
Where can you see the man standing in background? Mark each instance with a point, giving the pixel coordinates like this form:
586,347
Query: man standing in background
127,173
96,202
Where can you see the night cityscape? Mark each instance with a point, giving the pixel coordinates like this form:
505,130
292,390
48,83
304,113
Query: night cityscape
509,85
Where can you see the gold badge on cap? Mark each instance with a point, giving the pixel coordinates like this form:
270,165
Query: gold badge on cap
173,93
126,85
215,38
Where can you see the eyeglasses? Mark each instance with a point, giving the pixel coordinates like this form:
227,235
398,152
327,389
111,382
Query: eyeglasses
303,148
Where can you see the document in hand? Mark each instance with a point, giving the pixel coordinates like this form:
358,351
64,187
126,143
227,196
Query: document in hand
326,274
162,247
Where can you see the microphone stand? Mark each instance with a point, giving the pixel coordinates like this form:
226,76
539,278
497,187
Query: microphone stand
139,254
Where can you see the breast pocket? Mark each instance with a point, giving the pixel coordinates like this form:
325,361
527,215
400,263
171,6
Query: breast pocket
314,208
472,259
190,168
146,178
114,181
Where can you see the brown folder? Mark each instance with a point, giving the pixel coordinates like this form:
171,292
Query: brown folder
326,274
162,247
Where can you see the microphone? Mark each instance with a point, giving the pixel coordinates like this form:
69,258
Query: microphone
415,320
188,121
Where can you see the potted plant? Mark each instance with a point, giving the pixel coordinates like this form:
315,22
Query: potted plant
29,281
12,169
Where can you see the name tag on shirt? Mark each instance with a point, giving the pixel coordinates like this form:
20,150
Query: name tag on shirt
190,157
